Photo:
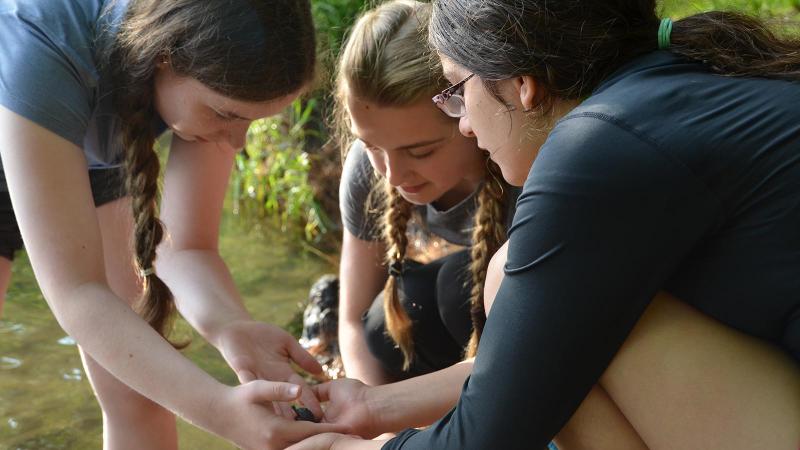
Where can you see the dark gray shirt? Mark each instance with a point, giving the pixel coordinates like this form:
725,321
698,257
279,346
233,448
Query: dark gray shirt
49,72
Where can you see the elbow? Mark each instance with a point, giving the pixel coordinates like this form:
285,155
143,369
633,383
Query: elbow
72,308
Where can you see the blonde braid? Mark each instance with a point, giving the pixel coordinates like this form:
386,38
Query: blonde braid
397,212
488,234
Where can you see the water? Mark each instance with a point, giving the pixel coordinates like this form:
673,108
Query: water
46,401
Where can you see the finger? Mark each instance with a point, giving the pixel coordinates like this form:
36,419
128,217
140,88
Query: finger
322,391
260,391
245,376
239,362
286,410
307,397
302,358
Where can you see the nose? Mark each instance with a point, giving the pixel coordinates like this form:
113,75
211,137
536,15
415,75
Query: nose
465,128
235,136
396,169
237,139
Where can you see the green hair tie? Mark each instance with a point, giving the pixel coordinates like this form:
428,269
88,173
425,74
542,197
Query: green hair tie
664,30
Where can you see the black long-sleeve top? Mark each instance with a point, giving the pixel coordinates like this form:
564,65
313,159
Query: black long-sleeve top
667,178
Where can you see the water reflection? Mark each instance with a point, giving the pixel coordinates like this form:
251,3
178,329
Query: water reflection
11,327
9,363
75,374
67,340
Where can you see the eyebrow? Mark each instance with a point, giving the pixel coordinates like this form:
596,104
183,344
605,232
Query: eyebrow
414,145
236,116
231,114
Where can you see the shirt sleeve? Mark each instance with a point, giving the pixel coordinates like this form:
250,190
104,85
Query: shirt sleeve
43,79
360,212
604,218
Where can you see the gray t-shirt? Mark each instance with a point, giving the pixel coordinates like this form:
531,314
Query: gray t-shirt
49,72
362,217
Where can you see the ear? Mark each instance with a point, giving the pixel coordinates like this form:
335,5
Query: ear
527,88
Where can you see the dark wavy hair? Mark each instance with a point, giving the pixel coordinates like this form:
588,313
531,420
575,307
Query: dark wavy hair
570,46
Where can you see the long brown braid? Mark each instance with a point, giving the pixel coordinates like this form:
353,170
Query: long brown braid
143,167
397,212
135,103
247,50
488,234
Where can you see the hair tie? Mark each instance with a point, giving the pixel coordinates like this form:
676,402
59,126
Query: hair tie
664,31
396,268
144,273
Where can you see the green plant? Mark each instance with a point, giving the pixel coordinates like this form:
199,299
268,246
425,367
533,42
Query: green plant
271,176
763,8
333,18
783,16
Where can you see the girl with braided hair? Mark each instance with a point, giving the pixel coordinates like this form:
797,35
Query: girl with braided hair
408,175
406,168
655,248
85,88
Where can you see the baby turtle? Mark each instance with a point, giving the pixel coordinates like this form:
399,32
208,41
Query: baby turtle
304,414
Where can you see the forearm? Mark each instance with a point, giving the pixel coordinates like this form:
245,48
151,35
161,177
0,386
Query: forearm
204,290
418,401
361,278
347,443
358,361
132,351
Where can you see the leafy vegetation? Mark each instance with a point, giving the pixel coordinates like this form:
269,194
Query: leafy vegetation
271,177
273,174
764,8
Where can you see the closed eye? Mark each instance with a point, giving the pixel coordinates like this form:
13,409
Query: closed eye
224,117
421,153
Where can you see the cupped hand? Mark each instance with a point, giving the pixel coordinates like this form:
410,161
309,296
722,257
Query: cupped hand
257,350
348,405
244,415
334,441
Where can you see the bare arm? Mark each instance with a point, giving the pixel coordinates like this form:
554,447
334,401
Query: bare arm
189,261
49,187
369,411
361,279
418,401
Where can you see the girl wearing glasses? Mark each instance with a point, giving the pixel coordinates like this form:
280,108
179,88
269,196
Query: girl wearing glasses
384,100
409,178
650,161
85,88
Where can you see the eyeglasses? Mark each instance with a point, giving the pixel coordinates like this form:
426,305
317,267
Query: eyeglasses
451,100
